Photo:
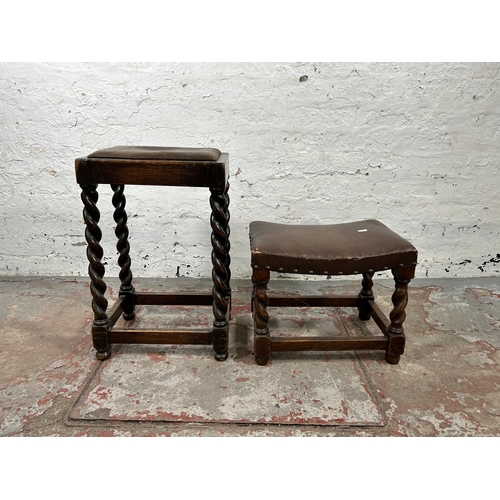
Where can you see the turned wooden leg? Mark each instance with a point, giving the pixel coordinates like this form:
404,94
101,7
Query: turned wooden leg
93,236
396,344
220,271
365,297
123,247
262,341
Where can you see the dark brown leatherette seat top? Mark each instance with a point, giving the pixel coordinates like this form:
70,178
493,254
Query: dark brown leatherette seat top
349,248
157,153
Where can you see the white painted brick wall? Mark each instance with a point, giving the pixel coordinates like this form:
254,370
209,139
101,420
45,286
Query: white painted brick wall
414,145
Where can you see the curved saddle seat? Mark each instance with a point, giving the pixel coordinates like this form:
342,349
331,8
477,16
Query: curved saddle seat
361,247
335,249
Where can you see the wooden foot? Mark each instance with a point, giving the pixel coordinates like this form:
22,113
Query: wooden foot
262,360
221,356
102,355
129,316
392,360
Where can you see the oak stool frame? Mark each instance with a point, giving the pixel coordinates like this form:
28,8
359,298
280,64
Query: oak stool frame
345,249
155,166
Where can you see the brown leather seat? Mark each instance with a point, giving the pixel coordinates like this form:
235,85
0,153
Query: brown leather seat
154,165
336,249
362,247
157,153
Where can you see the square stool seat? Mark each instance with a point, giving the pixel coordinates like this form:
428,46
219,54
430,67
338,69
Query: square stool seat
155,166
361,247
157,153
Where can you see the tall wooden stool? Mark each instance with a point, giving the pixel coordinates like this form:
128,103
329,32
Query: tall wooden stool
362,247
155,166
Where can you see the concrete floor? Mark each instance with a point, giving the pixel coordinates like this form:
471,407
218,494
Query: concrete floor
447,383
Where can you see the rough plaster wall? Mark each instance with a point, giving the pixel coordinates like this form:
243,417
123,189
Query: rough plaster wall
414,145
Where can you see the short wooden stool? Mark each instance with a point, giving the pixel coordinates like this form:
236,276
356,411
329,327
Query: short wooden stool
362,247
155,166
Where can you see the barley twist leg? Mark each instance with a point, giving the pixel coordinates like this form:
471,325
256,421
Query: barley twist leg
123,247
395,348
262,340
220,271
228,245
93,235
